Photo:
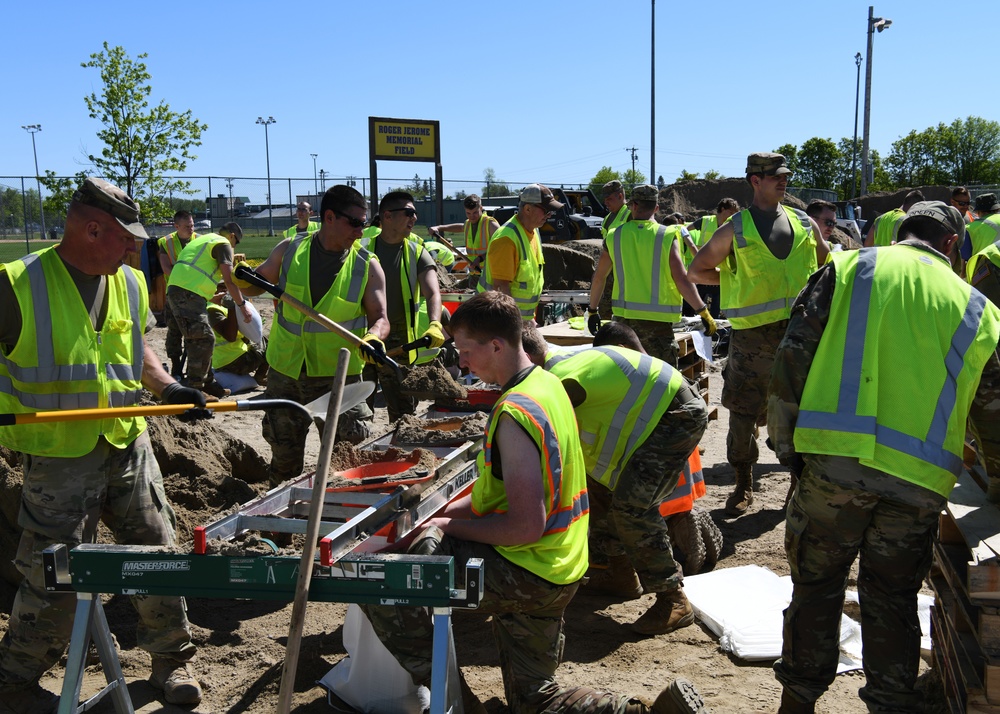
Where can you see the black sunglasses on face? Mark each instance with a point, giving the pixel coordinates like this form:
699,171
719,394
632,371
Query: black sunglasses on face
410,212
351,220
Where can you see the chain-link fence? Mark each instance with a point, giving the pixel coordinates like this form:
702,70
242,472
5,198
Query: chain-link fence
261,207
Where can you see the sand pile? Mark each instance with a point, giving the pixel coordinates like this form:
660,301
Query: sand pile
433,380
432,432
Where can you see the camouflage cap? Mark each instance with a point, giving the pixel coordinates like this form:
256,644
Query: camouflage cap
109,198
645,192
541,195
765,162
987,203
612,187
946,215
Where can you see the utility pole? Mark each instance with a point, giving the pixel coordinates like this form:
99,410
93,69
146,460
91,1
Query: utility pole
652,92
315,185
632,150
267,153
854,146
879,24
34,129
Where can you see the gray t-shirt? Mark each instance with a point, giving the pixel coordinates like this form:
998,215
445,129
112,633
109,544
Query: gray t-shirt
390,256
775,229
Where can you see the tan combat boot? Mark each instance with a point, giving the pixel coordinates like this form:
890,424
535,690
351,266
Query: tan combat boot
176,679
739,501
670,612
617,579
679,697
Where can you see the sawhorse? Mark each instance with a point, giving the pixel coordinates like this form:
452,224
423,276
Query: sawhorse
90,624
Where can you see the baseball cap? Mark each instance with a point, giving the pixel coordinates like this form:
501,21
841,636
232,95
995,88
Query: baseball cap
946,215
645,192
768,163
611,187
541,195
107,197
987,202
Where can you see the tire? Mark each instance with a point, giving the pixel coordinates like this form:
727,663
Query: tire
686,537
711,536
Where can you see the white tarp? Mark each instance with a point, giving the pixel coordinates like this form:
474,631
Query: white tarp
743,606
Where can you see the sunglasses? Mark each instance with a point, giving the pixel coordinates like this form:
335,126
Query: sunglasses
964,204
829,223
410,212
351,220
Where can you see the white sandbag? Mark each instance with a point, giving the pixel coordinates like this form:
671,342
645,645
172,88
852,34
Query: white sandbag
369,678
253,330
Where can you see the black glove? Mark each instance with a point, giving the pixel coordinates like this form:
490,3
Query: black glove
174,393
593,321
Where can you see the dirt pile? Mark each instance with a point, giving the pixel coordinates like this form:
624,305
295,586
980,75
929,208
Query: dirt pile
432,380
700,197
435,432
566,267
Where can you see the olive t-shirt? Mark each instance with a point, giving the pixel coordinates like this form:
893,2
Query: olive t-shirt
775,229
390,256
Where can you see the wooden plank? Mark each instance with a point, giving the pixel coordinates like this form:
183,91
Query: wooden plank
977,520
560,333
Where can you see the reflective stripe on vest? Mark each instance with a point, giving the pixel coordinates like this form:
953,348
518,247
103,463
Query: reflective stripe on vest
658,273
413,302
690,487
615,220
477,240
606,470
293,231
540,407
296,341
758,278
525,294
984,231
196,269
56,367
929,449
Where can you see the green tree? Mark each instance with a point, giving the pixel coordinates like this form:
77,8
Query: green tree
602,177
790,152
850,161
632,178
970,150
61,189
913,159
817,163
712,175
142,144
494,186
687,176
881,180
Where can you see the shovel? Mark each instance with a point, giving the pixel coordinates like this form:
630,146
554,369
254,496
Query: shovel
316,410
248,274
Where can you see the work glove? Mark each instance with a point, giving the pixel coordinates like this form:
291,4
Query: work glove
593,321
708,322
174,393
373,349
242,284
434,331
993,490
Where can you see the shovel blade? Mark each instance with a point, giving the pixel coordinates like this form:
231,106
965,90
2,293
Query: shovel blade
353,395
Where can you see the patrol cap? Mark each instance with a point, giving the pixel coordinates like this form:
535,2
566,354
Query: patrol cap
539,195
987,202
946,215
109,198
612,187
765,162
645,192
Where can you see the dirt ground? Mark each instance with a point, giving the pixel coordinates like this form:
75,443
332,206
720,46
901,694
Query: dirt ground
211,467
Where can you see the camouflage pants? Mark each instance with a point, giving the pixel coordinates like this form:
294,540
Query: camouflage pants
827,525
190,311
628,520
744,390
285,430
527,624
657,338
62,502
174,343
248,362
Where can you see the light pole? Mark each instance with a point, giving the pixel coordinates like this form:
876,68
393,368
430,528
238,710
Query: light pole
229,185
854,146
267,153
322,179
315,185
34,129
874,23
652,92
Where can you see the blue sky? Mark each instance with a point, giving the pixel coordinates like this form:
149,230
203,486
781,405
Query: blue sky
549,93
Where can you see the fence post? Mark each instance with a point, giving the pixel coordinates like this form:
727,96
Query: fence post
24,203
208,203
291,206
